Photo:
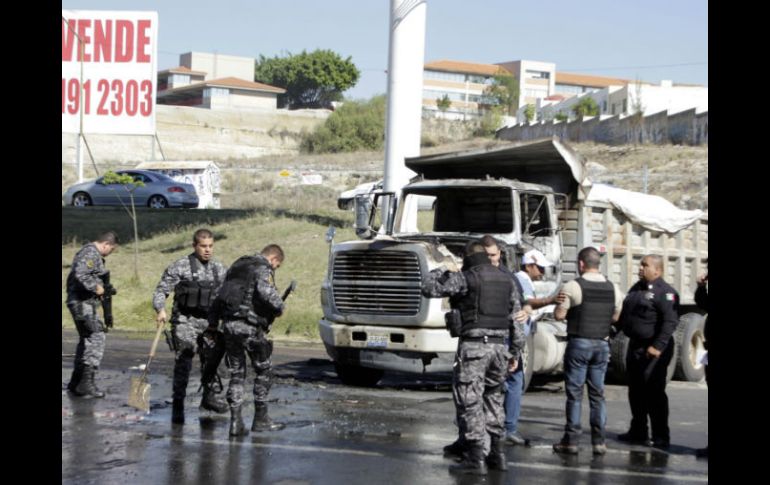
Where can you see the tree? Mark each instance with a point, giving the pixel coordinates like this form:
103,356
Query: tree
586,107
356,125
130,185
443,103
637,113
311,80
529,112
504,91
560,116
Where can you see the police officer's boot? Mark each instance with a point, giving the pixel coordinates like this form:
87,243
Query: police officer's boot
212,401
86,387
456,450
236,422
177,411
496,459
262,421
77,375
473,461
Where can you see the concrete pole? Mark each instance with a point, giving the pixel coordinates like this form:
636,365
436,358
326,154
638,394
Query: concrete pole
406,60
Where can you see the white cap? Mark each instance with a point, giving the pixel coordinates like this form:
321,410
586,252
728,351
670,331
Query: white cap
535,257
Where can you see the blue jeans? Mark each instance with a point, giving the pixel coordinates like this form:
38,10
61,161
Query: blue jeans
585,362
514,388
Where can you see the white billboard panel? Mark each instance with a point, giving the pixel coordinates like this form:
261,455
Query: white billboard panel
109,79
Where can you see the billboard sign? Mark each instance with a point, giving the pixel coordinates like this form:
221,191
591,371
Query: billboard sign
108,71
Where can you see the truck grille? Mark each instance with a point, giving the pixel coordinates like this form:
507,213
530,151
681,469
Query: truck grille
377,282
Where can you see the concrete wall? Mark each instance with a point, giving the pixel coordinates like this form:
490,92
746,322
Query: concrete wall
246,100
188,133
684,128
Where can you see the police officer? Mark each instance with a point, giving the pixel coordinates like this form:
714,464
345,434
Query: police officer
591,304
248,302
485,300
85,286
702,300
194,279
649,319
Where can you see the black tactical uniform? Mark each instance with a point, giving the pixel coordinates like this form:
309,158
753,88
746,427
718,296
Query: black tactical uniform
649,318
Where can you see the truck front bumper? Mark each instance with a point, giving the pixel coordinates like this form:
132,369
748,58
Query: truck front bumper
389,348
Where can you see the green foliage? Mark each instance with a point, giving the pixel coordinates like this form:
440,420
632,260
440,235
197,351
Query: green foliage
311,80
504,91
529,112
128,182
356,125
444,102
122,179
586,107
490,122
560,116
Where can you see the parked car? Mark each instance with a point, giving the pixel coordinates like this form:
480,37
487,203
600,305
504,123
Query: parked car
159,191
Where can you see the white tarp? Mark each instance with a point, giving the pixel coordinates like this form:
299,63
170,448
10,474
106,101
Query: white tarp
650,211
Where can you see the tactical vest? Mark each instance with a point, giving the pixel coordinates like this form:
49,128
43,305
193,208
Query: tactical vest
487,303
593,317
194,297
236,296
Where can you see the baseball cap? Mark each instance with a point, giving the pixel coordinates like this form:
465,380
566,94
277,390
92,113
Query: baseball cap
534,256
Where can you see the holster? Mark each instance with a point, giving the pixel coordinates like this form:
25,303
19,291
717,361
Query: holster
170,340
454,322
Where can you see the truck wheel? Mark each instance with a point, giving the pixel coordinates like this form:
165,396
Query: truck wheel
353,375
528,359
689,339
616,371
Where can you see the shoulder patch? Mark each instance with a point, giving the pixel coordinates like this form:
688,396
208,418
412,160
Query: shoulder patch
670,296
90,264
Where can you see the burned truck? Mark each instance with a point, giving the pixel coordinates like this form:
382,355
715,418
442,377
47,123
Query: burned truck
531,195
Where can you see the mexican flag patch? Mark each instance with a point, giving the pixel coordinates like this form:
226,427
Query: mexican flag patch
670,296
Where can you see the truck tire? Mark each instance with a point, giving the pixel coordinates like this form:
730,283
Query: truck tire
616,370
353,375
528,359
689,339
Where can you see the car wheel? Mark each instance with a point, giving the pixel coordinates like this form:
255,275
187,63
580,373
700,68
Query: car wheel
81,199
157,202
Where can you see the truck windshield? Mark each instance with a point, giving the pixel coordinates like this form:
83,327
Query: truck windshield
464,209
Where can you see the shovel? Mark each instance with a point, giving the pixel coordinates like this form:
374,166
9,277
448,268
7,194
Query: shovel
139,394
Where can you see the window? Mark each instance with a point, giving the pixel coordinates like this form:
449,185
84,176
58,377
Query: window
467,209
625,105
530,74
604,106
535,220
213,92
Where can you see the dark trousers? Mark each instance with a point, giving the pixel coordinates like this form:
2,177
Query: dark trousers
647,389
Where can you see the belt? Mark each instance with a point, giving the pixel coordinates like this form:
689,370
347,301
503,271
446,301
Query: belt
485,339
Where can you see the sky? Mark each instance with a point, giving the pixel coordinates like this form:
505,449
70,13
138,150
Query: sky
650,40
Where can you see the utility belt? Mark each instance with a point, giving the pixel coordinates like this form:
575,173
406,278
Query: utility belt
572,335
487,339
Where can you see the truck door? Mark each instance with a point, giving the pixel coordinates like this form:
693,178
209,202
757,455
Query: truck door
538,227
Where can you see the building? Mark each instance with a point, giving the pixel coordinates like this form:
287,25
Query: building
215,81
630,98
462,82
549,91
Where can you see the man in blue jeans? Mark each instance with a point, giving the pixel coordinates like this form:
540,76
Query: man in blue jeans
591,304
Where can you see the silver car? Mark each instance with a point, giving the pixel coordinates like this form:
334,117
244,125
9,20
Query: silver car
159,191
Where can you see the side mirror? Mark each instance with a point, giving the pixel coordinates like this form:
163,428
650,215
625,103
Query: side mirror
363,206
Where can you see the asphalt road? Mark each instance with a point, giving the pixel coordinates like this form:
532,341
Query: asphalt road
336,434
